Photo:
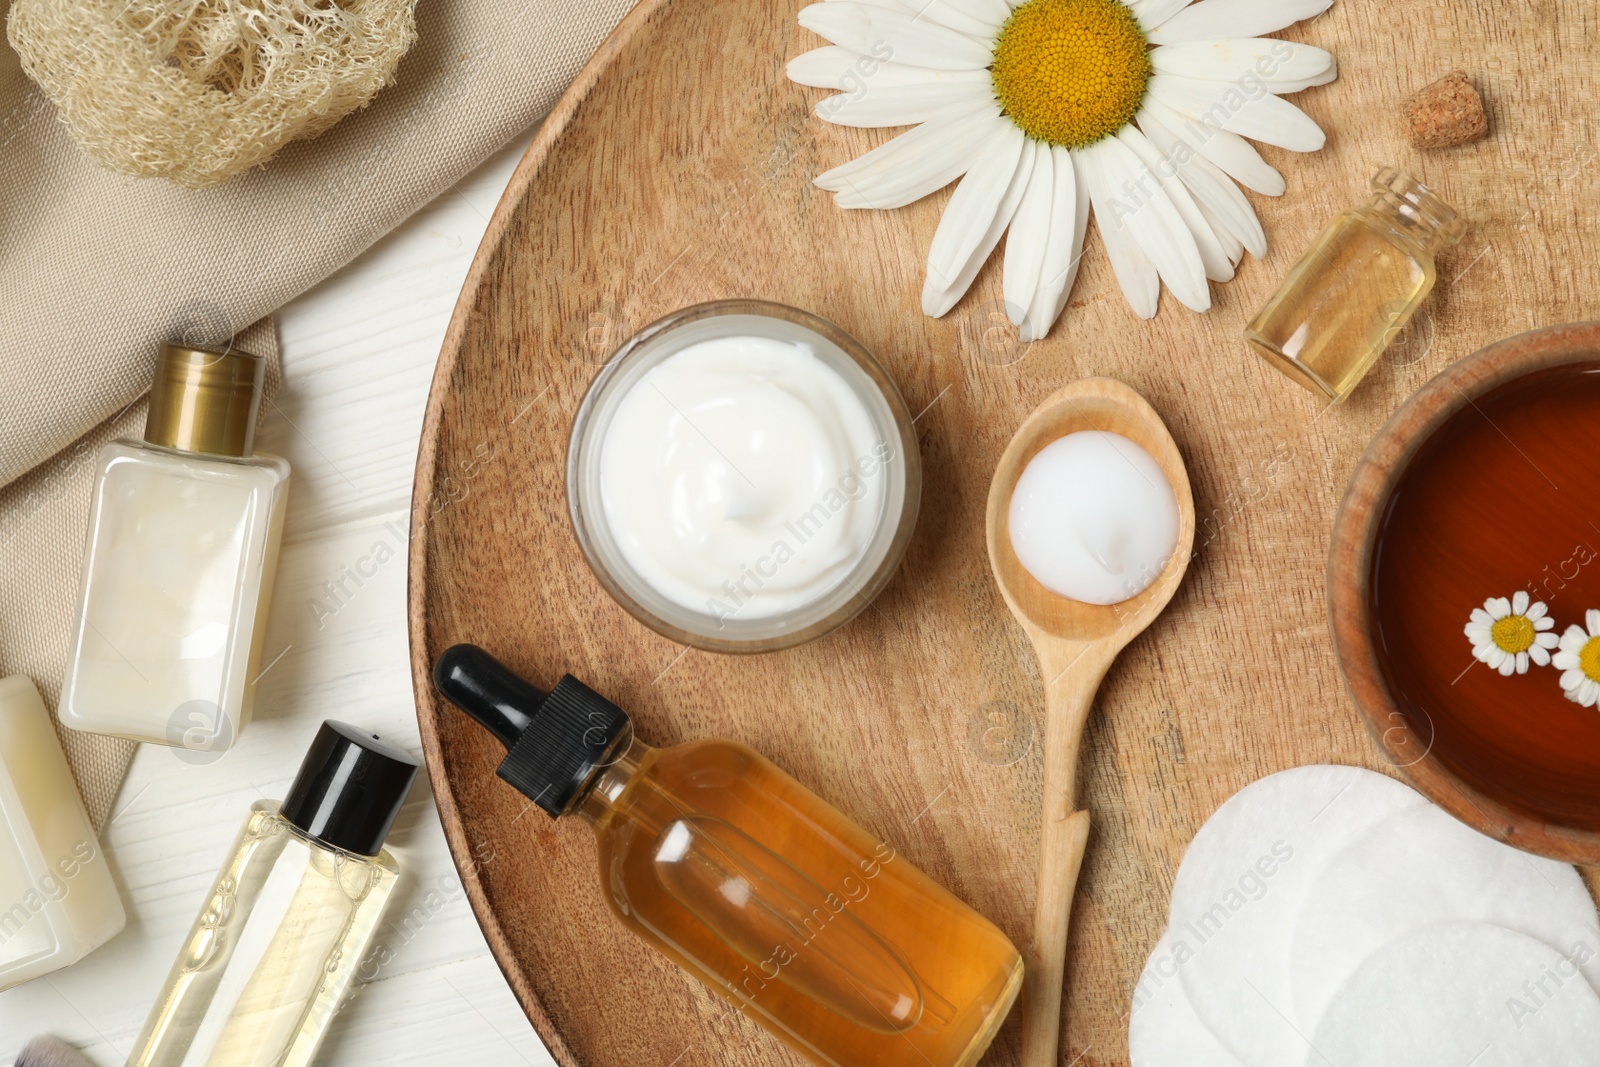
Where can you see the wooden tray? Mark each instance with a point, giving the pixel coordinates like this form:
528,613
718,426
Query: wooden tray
678,169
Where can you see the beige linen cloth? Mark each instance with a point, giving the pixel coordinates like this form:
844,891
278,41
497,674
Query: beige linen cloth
96,269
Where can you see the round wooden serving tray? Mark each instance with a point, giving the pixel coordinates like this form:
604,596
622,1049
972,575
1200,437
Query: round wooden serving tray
678,169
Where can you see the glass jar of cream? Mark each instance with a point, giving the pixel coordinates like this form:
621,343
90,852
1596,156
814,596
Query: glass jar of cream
742,476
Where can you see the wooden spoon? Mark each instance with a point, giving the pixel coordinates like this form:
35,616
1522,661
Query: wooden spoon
1075,643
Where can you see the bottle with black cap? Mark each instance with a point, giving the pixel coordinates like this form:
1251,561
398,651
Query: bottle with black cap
286,927
804,922
184,529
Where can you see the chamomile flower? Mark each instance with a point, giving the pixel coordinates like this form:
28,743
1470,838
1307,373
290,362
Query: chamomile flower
1048,109
1579,661
1507,634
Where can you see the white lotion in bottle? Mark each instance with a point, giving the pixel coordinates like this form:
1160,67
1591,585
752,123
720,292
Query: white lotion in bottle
183,545
58,901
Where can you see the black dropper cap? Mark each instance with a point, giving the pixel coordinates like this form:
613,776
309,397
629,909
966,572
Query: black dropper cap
557,740
349,789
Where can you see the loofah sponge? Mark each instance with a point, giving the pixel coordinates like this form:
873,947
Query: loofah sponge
196,91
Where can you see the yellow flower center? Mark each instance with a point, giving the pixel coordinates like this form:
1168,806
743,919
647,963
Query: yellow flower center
1070,72
1589,659
1514,633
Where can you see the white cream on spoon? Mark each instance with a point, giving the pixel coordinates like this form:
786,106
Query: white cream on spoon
1093,518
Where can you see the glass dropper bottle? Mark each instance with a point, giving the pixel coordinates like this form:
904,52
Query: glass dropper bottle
812,927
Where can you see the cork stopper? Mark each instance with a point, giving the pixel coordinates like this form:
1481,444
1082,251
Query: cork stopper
1447,112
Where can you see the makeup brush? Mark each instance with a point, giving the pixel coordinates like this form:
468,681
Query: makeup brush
50,1052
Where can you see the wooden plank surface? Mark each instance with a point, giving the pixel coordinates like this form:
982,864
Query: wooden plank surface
679,170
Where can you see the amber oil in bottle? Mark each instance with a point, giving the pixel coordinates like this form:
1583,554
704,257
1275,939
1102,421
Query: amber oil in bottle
1357,287
801,920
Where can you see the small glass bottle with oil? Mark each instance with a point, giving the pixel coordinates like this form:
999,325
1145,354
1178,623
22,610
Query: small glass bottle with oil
273,954
1357,287
804,922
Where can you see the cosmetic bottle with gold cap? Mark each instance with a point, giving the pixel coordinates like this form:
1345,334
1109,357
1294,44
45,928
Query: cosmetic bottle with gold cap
183,544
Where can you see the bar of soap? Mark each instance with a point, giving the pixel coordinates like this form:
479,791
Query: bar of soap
1447,112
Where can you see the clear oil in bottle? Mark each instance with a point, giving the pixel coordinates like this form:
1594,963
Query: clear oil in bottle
1355,290
275,950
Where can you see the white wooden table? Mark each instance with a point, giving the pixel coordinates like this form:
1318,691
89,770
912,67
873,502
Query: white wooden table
358,355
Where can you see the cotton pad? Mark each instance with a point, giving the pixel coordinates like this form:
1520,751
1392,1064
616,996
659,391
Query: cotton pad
1421,867
1240,887
1163,1030
1457,994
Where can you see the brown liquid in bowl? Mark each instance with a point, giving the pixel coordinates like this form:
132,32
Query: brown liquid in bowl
1505,496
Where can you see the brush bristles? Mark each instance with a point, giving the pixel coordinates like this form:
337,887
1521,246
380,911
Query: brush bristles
50,1052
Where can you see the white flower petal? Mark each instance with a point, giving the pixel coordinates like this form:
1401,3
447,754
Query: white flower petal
1211,19
1213,256
832,67
1231,244
1539,655
1141,206
899,105
977,214
973,205
1242,59
1028,235
1498,607
892,5
1536,611
978,18
896,36
1592,617
1136,276
1232,154
1508,665
1522,663
1477,634
1262,117
1284,88
1479,615
913,164
1546,640
1069,221
1520,601
1216,192
1152,13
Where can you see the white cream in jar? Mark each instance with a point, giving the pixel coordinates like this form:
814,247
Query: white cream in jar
1094,518
743,477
